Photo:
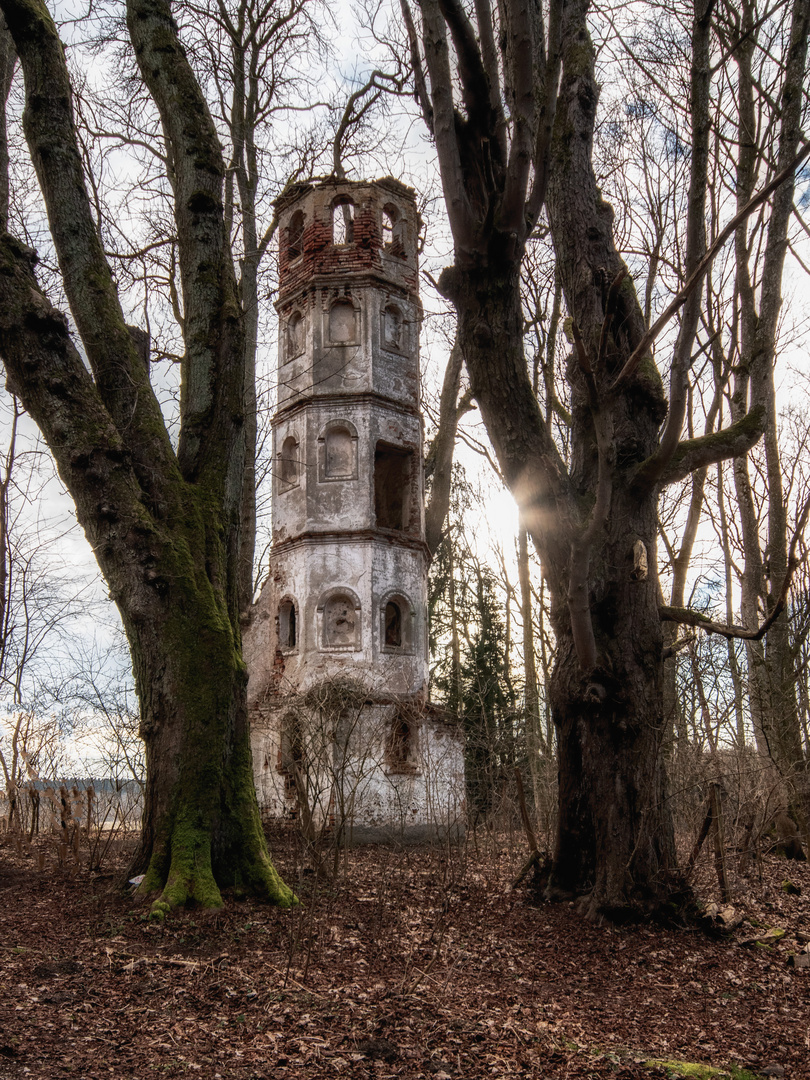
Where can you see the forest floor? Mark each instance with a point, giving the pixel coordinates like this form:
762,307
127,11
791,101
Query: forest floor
415,963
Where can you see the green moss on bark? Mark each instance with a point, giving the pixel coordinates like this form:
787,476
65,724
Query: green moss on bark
192,682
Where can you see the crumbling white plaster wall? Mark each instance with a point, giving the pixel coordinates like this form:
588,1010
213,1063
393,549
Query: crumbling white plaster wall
355,786
367,570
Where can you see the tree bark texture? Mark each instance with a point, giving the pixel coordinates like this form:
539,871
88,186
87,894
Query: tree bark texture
614,840
165,527
531,702
8,59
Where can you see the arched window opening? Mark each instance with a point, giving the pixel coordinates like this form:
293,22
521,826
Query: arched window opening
393,231
295,235
401,748
393,625
287,635
389,217
393,468
342,322
397,624
392,327
295,335
341,622
343,221
289,471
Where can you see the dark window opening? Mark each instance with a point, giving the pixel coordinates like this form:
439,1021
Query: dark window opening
401,749
343,222
286,625
393,625
295,235
392,484
396,624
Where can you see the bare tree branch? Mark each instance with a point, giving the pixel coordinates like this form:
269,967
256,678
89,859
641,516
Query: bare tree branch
437,55
696,277
688,617
439,459
420,82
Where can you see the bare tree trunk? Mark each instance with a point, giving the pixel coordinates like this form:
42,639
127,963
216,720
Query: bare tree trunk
733,663
514,126
785,731
439,459
680,569
456,692
8,59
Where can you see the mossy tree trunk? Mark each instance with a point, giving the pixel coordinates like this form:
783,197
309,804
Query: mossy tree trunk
201,827
166,526
512,109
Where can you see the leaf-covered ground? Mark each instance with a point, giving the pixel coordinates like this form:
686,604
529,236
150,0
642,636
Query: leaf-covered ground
415,964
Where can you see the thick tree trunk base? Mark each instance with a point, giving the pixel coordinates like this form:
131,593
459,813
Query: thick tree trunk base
202,831
181,870
676,905
615,849
205,845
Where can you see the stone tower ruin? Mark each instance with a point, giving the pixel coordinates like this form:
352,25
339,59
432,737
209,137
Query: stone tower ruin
337,648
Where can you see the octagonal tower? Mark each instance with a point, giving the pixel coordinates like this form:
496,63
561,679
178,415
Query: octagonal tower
348,562
345,603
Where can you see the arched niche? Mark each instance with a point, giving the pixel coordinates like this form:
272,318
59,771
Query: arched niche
289,463
393,327
295,235
287,624
343,322
402,742
339,621
342,221
337,451
294,336
397,623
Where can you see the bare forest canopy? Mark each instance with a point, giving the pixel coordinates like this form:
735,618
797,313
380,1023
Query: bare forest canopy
615,256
